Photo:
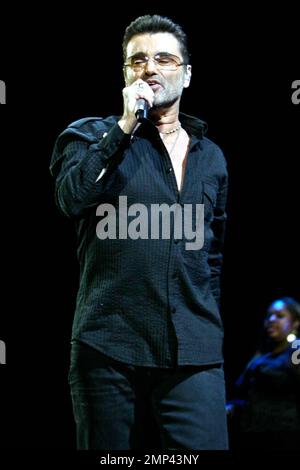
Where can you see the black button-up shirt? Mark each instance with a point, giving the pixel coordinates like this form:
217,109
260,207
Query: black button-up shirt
144,301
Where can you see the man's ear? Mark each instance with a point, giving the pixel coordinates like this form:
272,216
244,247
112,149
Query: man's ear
187,76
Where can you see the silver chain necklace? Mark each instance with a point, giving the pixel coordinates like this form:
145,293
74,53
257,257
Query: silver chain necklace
174,143
172,130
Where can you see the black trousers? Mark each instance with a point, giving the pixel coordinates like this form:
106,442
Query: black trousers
118,406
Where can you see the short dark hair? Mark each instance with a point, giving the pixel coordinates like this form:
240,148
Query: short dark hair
156,24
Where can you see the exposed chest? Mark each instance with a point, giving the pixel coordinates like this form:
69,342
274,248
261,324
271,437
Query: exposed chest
177,148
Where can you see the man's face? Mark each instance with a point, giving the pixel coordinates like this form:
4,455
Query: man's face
167,85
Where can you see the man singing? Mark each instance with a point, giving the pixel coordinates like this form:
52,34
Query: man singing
147,334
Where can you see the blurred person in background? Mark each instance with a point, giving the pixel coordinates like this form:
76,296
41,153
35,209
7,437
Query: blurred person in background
265,410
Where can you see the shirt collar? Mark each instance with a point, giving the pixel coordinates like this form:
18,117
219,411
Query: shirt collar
193,125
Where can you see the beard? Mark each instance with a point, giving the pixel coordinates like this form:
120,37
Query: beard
167,98
164,103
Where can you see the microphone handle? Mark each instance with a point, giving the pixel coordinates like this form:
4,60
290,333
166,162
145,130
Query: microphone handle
142,108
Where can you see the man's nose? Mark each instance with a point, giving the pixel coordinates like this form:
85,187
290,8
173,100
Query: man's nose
150,66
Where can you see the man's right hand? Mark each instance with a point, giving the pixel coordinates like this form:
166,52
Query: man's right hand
137,90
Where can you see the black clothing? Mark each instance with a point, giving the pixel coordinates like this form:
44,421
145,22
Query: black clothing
145,302
120,407
268,394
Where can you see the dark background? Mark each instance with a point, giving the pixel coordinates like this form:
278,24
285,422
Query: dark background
241,85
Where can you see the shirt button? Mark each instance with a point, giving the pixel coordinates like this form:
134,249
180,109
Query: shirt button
169,170
173,309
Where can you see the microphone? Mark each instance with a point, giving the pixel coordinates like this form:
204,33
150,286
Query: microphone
141,109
